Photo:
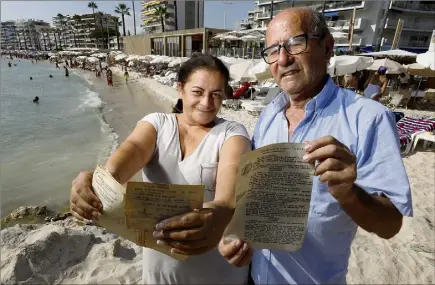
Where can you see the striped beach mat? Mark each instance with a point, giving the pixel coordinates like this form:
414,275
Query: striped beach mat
408,126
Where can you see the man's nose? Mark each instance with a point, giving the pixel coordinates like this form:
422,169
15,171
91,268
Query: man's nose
284,58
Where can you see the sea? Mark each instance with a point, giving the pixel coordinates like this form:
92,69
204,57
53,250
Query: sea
45,145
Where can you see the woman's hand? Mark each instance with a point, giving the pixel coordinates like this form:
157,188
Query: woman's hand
191,233
236,252
84,204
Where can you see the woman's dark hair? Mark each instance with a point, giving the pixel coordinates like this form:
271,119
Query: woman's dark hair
205,62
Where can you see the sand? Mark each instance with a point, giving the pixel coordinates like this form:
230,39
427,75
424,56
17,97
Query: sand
66,252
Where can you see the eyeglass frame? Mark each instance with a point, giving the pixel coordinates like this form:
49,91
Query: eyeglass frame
305,35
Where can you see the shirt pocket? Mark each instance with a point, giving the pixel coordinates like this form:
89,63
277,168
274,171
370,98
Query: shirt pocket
208,173
322,202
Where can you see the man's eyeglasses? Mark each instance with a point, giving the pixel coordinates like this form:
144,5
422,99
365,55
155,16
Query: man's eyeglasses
295,45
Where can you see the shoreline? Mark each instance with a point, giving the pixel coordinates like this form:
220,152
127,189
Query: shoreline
409,257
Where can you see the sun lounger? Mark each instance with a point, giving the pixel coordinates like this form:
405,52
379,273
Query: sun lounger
273,92
408,127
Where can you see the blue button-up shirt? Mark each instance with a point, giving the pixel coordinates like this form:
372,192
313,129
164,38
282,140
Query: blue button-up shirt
368,129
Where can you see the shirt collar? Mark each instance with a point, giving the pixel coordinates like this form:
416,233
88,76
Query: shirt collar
318,102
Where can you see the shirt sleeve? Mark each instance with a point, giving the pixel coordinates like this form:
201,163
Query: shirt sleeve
155,119
236,129
380,167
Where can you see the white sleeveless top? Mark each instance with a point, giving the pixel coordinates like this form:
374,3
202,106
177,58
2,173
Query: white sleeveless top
200,167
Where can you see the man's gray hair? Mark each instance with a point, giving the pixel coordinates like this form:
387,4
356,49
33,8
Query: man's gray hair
320,27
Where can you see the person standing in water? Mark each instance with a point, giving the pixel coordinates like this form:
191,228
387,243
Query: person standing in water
66,71
109,77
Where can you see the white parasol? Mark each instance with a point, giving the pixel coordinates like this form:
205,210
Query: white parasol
347,64
393,67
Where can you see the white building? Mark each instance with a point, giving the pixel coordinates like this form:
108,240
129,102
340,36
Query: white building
79,30
28,33
9,38
181,15
418,17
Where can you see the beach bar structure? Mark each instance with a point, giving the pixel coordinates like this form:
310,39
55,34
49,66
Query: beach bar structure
181,43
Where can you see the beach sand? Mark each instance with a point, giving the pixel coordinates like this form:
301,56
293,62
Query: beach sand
65,252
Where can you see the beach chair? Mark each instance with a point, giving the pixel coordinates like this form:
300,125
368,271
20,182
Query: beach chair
271,94
396,98
409,127
423,135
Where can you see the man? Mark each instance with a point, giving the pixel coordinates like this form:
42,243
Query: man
359,179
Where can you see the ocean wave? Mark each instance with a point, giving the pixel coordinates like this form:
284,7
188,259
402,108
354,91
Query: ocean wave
112,136
85,76
91,99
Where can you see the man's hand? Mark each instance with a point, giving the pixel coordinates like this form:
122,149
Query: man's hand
190,234
336,166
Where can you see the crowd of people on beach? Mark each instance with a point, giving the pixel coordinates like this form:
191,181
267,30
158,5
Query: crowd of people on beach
352,141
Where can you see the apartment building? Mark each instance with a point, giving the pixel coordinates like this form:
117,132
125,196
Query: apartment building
9,38
180,15
28,33
418,18
79,31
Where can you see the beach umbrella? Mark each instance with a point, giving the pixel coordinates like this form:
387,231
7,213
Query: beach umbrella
420,70
393,66
120,57
391,53
427,59
250,38
92,59
178,61
347,64
242,71
230,38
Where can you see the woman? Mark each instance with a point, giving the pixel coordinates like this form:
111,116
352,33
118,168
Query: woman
350,81
376,85
193,147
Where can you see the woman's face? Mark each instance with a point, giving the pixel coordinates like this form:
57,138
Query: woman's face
202,96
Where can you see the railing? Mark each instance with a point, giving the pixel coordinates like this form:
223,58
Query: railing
338,5
344,24
265,2
392,23
355,41
418,44
410,5
235,52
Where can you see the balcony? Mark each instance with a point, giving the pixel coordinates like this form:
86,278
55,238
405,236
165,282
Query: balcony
333,6
418,44
414,6
409,26
339,25
268,2
345,42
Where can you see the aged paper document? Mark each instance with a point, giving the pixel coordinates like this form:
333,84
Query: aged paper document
134,212
148,203
273,194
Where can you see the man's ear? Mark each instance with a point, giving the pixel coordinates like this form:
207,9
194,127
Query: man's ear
329,46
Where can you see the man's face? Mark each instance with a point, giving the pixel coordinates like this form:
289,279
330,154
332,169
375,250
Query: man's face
299,73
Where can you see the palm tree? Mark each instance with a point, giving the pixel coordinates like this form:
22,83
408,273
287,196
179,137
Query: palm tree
93,6
161,13
54,31
43,31
134,17
77,21
100,18
117,24
175,16
62,21
123,10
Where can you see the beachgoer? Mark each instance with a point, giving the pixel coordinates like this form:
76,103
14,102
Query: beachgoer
360,179
182,145
66,71
57,65
350,81
51,76
31,78
376,85
36,99
404,80
126,75
109,77
9,64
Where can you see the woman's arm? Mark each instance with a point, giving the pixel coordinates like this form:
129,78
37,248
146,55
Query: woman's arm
384,86
225,201
135,152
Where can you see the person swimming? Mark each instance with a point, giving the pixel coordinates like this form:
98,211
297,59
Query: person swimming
31,78
9,64
36,99
51,76
66,71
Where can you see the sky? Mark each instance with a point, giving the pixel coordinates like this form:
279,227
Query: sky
214,11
